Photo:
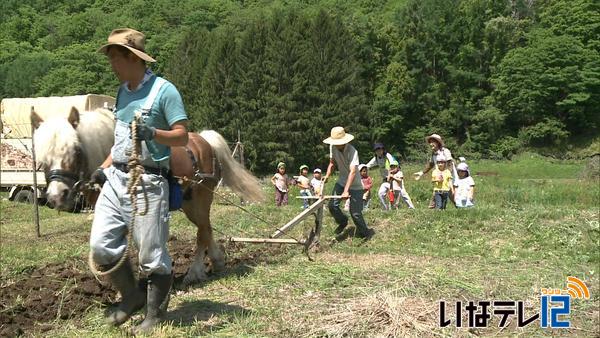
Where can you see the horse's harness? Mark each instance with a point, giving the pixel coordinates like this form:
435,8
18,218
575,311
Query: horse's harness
75,179
199,176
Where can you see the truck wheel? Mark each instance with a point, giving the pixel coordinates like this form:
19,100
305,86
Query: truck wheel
24,196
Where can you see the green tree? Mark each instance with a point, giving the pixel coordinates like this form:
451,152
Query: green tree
554,80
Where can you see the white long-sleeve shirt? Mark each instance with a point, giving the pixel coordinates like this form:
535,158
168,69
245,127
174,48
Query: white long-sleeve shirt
382,162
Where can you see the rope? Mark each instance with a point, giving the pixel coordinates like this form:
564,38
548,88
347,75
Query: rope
223,196
136,170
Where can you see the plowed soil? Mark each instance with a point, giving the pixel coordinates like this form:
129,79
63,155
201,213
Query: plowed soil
37,301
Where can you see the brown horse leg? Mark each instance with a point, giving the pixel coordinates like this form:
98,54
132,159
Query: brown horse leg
197,210
216,254
197,271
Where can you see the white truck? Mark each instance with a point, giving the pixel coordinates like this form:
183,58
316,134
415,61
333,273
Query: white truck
16,169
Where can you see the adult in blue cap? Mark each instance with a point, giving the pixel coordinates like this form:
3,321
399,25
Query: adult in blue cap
383,160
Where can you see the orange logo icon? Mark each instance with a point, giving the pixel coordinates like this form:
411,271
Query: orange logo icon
576,288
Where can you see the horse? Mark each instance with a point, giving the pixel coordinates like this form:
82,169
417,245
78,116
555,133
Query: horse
70,149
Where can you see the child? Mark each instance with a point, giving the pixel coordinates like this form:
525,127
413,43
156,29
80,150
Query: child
367,183
281,182
441,178
464,187
304,184
397,178
316,183
382,159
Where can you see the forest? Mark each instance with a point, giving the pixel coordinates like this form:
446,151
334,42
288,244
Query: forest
492,77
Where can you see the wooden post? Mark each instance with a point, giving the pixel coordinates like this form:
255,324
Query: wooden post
241,145
36,214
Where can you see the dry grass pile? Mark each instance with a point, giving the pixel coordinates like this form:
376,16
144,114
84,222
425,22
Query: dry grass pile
592,168
383,314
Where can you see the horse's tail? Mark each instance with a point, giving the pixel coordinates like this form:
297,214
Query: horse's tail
240,180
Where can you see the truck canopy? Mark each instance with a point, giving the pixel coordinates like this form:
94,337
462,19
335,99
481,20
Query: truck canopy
15,112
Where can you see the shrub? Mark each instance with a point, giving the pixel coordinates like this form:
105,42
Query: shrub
506,147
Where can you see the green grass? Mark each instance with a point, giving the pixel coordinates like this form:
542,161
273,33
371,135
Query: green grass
535,223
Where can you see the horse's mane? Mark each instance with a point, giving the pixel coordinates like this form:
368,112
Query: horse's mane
56,139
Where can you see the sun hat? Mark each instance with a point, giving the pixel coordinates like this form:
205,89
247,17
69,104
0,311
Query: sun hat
361,167
394,162
378,146
462,166
280,165
317,170
130,39
338,137
440,158
435,137
304,166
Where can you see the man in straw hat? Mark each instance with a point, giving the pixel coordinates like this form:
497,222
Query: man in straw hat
345,157
163,124
438,150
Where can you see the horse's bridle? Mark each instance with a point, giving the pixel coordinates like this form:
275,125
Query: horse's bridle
73,179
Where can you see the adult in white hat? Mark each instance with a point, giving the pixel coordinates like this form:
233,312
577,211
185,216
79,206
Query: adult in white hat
163,125
437,148
345,157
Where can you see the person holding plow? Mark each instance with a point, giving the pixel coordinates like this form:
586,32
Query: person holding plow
345,157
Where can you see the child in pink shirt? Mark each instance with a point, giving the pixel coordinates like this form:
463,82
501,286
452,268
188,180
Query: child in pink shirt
282,183
367,183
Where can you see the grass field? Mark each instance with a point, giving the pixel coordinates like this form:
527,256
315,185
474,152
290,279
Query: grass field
535,223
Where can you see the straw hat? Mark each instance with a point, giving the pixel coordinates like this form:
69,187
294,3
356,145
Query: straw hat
338,137
435,137
130,39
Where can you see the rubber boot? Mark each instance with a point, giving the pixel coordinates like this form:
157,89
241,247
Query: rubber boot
158,293
133,298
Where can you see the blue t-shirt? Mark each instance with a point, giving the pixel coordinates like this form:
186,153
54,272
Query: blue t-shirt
167,109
